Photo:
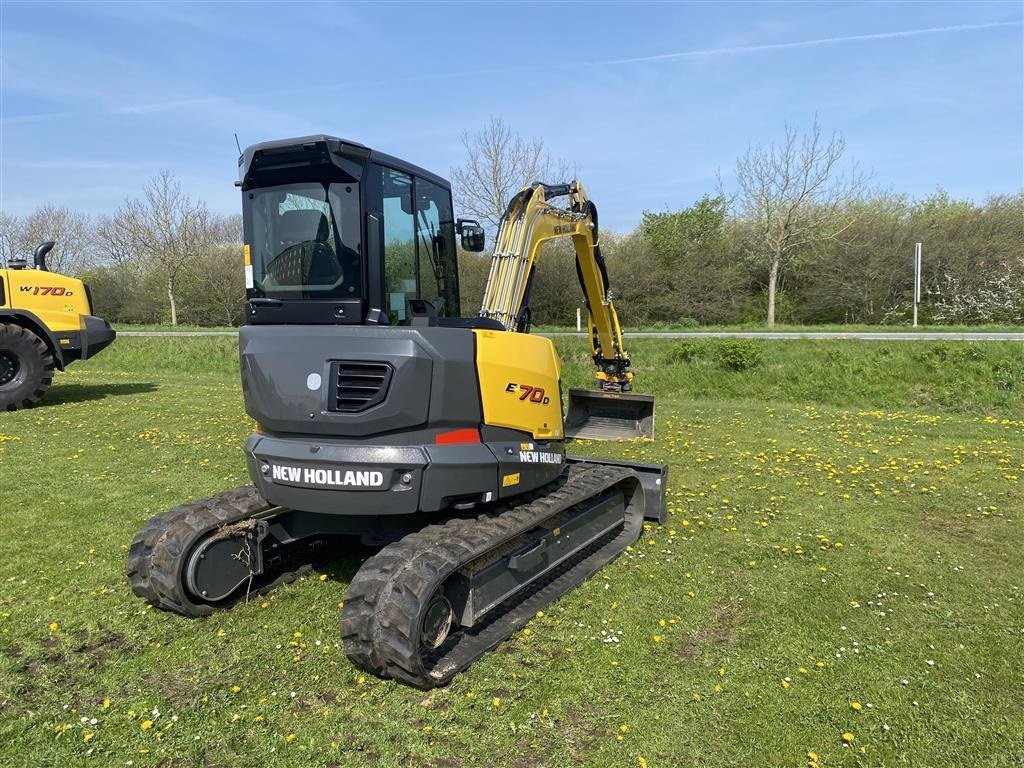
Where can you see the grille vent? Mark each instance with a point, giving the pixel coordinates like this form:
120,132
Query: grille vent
359,385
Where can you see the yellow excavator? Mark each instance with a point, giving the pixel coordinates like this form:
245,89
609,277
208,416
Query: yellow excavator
46,323
383,414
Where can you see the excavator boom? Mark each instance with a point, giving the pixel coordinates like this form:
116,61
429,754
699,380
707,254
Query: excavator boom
610,412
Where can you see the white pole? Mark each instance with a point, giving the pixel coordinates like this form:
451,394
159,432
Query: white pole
917,279
578,319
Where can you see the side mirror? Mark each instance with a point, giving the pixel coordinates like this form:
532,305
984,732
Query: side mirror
472,234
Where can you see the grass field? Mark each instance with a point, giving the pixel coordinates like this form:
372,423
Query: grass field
839,583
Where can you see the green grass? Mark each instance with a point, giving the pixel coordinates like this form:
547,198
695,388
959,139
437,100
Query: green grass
845,519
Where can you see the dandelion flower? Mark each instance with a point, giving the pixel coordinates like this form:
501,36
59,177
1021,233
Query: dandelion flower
146,725
54,626
496,702
848,737
290,738
855,705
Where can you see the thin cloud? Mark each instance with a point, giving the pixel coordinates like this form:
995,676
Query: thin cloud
725,51
811,43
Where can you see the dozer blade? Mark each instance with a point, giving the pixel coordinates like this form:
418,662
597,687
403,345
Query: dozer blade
595,415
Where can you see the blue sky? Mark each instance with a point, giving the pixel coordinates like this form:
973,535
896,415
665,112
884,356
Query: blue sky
649,100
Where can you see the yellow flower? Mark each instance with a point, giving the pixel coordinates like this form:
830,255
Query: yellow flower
657,638
106,703
88,736
855,705
496,702
323,577
54,626
544,712
848,737
235,688
623,728
642,762
147,724
290,738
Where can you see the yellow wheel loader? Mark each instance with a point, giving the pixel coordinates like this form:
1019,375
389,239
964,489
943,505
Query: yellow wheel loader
385,415
46,323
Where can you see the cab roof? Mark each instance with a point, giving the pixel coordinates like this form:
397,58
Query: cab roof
326,148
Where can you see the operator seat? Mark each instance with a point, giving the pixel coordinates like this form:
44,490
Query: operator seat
305,252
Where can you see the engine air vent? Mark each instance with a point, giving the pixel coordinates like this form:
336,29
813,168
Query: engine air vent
359,385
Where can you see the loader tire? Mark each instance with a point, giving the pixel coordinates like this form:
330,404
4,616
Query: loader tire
26,367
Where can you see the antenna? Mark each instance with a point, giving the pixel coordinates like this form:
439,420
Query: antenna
238,145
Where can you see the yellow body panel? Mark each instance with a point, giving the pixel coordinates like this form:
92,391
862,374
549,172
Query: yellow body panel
519,382
57,300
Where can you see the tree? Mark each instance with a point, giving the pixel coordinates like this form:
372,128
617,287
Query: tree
165,228
71,231
10,229
500,162
795,197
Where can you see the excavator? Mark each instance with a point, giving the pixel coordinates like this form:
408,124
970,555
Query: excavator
384,416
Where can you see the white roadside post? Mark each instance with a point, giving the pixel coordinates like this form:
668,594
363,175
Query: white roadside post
578,319
917,279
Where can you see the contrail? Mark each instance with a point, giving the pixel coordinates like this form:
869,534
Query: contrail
811,43
725,51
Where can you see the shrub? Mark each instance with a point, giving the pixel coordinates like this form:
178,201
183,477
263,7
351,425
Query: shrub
740,354
684,351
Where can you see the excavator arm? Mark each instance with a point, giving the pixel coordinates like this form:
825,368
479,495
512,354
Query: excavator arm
529,221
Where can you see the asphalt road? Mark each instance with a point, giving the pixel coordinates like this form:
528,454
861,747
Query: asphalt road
769,335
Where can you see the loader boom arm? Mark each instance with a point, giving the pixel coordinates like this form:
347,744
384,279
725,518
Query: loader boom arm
529,221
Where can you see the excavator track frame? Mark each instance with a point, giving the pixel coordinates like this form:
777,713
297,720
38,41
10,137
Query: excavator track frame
386,602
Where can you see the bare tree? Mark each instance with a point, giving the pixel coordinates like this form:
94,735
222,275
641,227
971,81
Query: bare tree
71,231
500,162
165,228
10,232
794,195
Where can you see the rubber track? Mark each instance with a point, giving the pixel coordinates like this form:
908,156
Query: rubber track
385,602
157,555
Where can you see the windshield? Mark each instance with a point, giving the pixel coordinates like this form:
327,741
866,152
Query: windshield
304,241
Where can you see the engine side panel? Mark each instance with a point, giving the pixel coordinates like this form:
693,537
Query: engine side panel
519,382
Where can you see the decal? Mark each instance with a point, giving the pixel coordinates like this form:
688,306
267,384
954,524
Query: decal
45,290
508,480
528,393
335,478
540,457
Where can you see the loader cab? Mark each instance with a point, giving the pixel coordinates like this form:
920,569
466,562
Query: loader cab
337,233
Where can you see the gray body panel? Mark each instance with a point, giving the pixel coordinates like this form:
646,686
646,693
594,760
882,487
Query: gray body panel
434,379
383,460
